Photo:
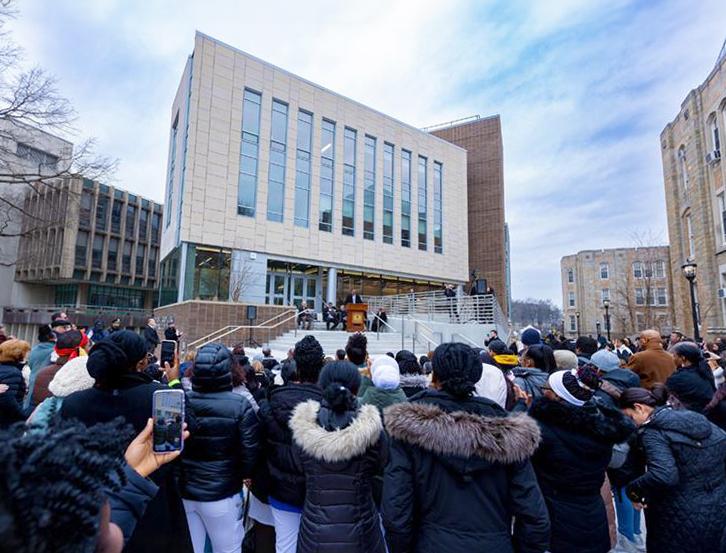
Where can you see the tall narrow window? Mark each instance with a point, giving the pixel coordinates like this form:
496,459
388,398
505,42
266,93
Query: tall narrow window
639,296
327,179
126,258
349,182
571,299
116,211
101,212
573,323
112,254
604,271
130,221
249,151
143,223
659,269
405,199
661,296
302,168
278,159
369,189
683,168
422,207
387,193
690,237
570,275
722,216
81,248
438,209
140,253
172,163
97,252
637,269
714,134
605,294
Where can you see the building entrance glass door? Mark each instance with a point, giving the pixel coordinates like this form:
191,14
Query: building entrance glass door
303,289
287,289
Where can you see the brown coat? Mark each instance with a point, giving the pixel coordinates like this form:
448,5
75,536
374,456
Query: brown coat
40,390
653,366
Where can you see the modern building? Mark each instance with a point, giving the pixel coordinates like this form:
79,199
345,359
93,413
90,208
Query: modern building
488,235
635,283
694,177
26,155
280,191
88,247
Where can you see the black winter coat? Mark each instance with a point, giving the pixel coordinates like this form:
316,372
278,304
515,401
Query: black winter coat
223,450
164,525
412,384
685,484
285,483
339,515
129,503
459,475
570,464
151,337
11,406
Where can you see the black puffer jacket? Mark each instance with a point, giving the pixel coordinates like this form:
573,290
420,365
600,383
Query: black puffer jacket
224,448
339,515
570,463
459,474
11,407
285,483
685,484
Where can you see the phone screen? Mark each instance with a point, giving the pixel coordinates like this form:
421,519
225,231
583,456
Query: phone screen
168,415
168,351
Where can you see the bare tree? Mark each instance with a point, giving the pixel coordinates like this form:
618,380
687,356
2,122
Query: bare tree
240,280
31,108
541,313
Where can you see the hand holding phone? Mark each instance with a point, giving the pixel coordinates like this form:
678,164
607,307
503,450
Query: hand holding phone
168,352
140,454
168,415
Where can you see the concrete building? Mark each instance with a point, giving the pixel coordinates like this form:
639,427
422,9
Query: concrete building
26,154
89,248
694,177
280,191
635,281
488,235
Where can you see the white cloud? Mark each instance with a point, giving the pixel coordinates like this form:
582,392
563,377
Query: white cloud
566,76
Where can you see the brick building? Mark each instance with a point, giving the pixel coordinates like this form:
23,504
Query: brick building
488,238
635,281
694,177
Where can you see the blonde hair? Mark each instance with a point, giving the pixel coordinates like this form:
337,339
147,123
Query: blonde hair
191,355
258,366
13,351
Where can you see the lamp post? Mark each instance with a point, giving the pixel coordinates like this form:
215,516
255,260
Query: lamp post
689,271
606,305
597,327
577,314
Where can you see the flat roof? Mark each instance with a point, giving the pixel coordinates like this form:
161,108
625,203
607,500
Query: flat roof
320,87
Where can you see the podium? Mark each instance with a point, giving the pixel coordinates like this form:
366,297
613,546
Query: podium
356,317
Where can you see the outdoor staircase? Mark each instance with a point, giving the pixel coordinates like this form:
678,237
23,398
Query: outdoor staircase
332,340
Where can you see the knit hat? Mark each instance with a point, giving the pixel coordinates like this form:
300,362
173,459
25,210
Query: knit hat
72,377
492,385
605,360
565,359
385,373
69,343
531,336
576,387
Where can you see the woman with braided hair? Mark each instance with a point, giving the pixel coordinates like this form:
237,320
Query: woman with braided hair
122,389
70,490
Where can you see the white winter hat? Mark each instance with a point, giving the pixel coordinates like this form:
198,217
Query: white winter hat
385,373
492,385
72,377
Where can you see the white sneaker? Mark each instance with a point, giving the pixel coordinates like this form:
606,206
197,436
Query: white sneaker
639,543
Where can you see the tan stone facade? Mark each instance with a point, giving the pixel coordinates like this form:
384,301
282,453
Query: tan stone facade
694,176
485,198
636,282
212,157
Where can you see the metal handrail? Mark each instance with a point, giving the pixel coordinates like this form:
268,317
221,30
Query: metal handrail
415,335
378,327
224,332
472,343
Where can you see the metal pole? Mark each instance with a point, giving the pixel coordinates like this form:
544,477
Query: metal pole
607,321
694,312
578,324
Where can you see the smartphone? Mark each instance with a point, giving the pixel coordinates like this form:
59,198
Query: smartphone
168,352
168,414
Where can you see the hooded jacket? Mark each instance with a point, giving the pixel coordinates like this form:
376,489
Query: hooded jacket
381,398
412,384
530,380
339,515
223,450
685,484
458,475
11,408
285,482
72,377
570,464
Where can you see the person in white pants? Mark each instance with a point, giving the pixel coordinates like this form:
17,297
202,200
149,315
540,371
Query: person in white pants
220,520
287,527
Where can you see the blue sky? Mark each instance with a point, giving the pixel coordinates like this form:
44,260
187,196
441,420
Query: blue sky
584,89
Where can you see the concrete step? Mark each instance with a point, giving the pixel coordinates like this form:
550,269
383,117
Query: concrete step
332,340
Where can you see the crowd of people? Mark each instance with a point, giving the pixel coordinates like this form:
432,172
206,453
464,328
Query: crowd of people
542,445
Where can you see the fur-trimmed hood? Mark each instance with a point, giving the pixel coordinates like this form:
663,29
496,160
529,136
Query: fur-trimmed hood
338,445
497,439
599,421
71,377
414,381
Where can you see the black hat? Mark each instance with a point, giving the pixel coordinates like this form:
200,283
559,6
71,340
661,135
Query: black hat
60,322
